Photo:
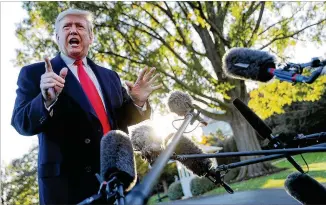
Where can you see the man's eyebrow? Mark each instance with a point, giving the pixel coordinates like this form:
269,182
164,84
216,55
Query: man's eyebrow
67,24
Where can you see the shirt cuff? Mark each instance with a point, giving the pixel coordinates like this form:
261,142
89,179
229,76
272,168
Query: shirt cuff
143,108
49,109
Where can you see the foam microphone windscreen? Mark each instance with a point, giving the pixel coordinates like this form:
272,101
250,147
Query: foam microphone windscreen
199,167
145,140
305,189
245,63
117,158
180,103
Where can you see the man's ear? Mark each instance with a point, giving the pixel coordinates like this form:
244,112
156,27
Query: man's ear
91,36
57,38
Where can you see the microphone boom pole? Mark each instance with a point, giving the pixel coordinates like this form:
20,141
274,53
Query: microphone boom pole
272,156
292,151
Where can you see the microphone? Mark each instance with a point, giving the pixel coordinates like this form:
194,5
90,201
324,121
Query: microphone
117,169
200,167
262,129
181,104
245,63
117,159
145,140
305,189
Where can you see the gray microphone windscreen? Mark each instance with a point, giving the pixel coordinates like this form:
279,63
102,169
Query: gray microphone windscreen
305,189
145,140
117,158
180,103
199,167
245,63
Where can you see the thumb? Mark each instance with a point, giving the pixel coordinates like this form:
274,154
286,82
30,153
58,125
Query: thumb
129,84
63,72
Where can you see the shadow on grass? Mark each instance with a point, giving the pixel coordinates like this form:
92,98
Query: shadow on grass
317,170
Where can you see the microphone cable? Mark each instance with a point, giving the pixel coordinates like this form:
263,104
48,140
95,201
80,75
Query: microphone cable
184,131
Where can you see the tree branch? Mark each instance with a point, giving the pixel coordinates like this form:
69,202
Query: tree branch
291,35
252,8
216,116
124,57
213,26
168,12
224,11
282,20
128,41
208,44
157,21
258,21
221,104
160,38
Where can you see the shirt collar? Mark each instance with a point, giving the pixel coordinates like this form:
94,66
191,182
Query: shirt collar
70,61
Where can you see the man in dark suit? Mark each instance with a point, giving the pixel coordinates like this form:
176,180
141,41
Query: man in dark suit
70,103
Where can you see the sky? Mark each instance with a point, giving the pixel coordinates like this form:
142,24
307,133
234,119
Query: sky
12,144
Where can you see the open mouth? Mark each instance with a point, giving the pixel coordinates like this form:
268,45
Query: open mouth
74,42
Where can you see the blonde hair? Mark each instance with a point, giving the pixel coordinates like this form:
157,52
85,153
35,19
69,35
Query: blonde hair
77,12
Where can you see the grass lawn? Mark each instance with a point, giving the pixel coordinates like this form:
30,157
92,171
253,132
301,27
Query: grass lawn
317,169
153,199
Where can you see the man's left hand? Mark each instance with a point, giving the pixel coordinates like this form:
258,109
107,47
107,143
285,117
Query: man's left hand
143,87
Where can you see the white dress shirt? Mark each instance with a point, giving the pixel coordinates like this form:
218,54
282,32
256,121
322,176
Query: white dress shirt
73,68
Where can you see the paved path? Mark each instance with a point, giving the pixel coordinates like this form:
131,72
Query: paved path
255,197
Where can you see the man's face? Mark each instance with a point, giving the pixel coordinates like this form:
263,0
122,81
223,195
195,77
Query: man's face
73,36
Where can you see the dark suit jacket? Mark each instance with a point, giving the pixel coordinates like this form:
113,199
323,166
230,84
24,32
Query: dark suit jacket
69,141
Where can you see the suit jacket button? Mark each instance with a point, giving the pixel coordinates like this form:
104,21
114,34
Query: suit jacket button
88,168
87,141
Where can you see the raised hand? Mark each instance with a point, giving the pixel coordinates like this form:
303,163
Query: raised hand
52,84
143,87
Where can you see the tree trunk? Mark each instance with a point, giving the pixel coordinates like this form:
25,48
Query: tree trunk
246,140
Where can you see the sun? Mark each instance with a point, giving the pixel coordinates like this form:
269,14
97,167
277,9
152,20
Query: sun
163,126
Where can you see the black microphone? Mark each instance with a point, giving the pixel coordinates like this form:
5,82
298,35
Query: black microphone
245,63
262,129
145,140
117,159
257,65
181,103
305,189
117,168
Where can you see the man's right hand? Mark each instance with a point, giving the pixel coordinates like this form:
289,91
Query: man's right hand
52,84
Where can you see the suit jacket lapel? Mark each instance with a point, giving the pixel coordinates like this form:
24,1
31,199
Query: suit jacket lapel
72,86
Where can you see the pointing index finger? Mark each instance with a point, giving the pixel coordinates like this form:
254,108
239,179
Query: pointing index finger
48,66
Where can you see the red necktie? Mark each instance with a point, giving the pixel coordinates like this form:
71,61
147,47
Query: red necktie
93,96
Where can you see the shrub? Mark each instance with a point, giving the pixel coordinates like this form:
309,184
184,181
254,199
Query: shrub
199,186
175,191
